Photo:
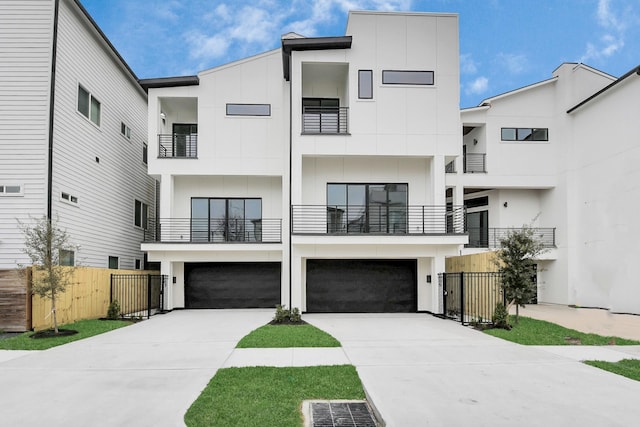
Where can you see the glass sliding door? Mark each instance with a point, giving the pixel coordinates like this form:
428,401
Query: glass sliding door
199,220
219,220
478,229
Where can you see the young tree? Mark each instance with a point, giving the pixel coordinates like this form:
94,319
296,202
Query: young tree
516,262
43,242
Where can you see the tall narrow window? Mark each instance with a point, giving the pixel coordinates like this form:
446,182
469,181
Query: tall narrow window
141,212
88,105
145,153
365,84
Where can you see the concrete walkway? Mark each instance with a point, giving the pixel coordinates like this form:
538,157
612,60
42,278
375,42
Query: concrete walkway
147,374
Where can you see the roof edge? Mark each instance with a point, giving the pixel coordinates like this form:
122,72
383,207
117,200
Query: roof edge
169,82
635,70
310,43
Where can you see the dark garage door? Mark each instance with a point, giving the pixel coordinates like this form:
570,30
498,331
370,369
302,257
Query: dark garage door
232,285
361,286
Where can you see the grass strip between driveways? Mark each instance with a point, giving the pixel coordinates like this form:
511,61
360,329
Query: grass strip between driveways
284,336
538,332
268,396
629,368
85,328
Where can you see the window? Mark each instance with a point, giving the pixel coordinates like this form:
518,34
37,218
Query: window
365,84
407,77
137,263
145,153
367,208
125,130
114,262
68,197
248,109
524,134
66,257
226,220
10,190
88,106
141,214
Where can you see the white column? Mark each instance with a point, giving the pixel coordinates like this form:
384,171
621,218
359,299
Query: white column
167,270
437,267
438,181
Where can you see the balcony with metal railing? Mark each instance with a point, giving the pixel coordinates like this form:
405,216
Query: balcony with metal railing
178,146
475,163
378,220
325,120
491,237
190,230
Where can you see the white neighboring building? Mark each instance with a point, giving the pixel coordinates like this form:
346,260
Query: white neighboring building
312,175
560,155
72,141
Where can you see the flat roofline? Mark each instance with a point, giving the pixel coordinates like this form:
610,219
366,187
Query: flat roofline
310,43
169,82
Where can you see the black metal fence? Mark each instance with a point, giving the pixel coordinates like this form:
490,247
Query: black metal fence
139,295
470,297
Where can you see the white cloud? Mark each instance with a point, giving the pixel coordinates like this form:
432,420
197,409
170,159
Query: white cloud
513,63
204,47
612,39
478,86
467,64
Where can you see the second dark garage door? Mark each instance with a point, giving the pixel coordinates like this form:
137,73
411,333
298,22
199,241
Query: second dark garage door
361,286
232,284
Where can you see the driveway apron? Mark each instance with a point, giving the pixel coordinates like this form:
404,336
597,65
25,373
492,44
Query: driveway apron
147,374
424,371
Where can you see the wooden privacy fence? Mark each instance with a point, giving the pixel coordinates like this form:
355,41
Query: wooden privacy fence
87,297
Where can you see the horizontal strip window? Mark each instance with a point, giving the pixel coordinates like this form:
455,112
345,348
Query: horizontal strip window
477,202
68,197
248,109
524,134
10,190
393,77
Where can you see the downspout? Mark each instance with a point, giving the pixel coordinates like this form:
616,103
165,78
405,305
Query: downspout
52,93
290,184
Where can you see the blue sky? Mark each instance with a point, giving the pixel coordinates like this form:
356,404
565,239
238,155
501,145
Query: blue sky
504,44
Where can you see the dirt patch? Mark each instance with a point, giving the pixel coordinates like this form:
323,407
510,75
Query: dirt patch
50,333
573,341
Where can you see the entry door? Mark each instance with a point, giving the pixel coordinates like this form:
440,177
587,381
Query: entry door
182,139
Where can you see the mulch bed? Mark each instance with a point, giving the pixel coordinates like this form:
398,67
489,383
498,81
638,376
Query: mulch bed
50,333
287,322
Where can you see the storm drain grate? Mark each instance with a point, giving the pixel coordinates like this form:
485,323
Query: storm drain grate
341,414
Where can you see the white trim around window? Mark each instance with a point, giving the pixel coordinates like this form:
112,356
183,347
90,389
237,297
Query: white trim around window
11,190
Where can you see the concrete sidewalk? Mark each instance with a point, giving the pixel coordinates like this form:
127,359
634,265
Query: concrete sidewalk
424,371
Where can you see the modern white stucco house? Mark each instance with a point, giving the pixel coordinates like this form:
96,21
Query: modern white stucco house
73,134
561,155
313,175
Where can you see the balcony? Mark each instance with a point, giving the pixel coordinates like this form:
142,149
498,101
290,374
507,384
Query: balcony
187,230
178,146
377,220
491,237
325,120
475,163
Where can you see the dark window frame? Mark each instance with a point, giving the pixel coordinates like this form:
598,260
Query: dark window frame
141,214
533,132
114,259
90,105
67,257
236,114
230,235
386,75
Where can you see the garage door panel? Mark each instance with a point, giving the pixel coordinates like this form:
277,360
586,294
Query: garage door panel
356,286
232,285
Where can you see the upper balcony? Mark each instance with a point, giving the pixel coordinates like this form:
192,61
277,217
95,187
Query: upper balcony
177,145
324,98
491,237
220,230
177,128
377,220
318,120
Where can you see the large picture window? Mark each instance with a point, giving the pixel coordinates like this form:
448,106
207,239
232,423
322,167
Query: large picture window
226,220
367,208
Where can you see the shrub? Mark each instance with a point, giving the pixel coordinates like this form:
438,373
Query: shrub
295,315
282,314
500,318
113,312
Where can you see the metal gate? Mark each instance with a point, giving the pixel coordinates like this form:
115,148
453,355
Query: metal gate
139,295
470,297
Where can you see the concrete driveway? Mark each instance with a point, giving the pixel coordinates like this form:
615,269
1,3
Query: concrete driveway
423,371
147,374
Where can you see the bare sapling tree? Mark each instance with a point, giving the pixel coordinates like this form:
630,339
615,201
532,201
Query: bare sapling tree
44,241
516,261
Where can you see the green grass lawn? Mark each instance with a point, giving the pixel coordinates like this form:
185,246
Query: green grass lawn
282,336
267,396
538,332
85,328
629,368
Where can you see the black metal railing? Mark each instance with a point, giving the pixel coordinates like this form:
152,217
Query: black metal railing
491,237
138,295
355,219
178,145
190,230
450,167
325,120
475,163
470,297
